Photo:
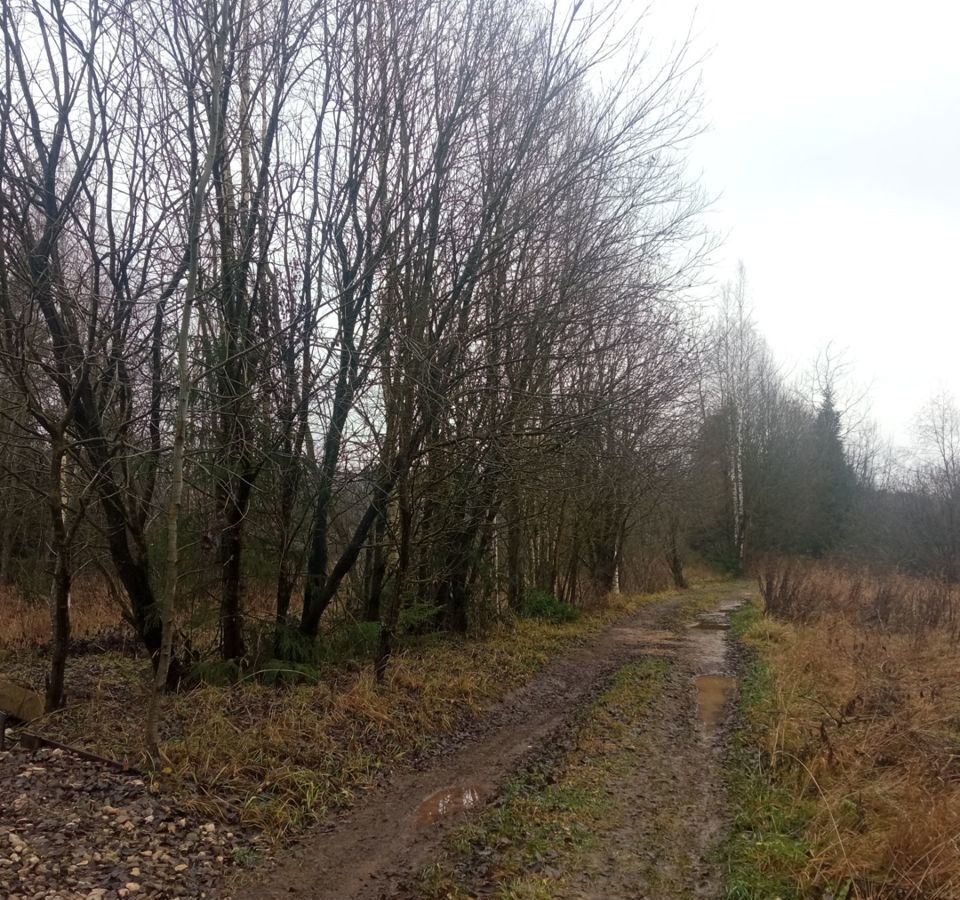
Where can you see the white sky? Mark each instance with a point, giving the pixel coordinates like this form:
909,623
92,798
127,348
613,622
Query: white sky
833,143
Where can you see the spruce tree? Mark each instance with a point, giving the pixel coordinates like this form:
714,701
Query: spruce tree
833,482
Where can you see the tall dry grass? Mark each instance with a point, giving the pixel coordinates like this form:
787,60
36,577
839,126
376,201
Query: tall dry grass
865,725
97,620
806,590
94,615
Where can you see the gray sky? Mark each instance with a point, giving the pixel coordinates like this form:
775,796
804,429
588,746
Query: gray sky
834,144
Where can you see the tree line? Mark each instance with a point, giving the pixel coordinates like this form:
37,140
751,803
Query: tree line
782,468
380,309
369,304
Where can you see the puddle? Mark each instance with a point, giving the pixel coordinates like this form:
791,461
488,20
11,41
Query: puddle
712,624
731,605
713,693
447,801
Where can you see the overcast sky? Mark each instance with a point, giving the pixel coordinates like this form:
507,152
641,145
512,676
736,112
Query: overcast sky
833,145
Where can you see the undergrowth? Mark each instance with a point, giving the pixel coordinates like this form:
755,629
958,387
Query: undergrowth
285,752
543,605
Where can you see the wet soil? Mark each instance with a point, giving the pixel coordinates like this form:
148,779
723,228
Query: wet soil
671,799
661,851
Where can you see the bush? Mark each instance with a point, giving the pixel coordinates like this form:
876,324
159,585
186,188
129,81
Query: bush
349,639
215,672
543,605
345,639
419,618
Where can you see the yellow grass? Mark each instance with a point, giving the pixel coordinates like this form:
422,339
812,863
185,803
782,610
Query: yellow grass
25,621
865,724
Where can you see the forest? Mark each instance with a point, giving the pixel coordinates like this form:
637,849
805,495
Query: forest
336,338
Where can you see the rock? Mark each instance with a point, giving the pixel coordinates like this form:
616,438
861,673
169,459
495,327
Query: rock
19,702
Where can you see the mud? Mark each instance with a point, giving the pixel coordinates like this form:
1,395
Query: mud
451,800
714,695
376,850
664,849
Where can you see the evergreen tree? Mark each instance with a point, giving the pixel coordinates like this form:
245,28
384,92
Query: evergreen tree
832,481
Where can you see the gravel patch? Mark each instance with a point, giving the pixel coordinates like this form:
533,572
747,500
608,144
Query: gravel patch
72,828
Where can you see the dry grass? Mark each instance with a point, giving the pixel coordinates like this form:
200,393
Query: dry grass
284,756
25,621
96,617
804,591
864,723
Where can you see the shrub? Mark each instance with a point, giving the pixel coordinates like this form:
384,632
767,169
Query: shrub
349,639
215,672
543,605
419,618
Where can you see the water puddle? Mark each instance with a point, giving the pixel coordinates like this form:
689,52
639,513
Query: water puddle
713,694
712,624
447,801
731,605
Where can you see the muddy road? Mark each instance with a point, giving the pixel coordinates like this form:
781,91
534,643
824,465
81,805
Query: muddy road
662,850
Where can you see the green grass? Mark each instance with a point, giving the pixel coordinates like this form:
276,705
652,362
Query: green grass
766,850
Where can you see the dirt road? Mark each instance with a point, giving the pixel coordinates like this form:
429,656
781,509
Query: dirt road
661,850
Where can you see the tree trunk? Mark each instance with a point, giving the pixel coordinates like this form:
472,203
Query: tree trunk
378,572
391,617
6,549
60,590
675,558
315,595
285,582
231,560
515,586
60,619
168,601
